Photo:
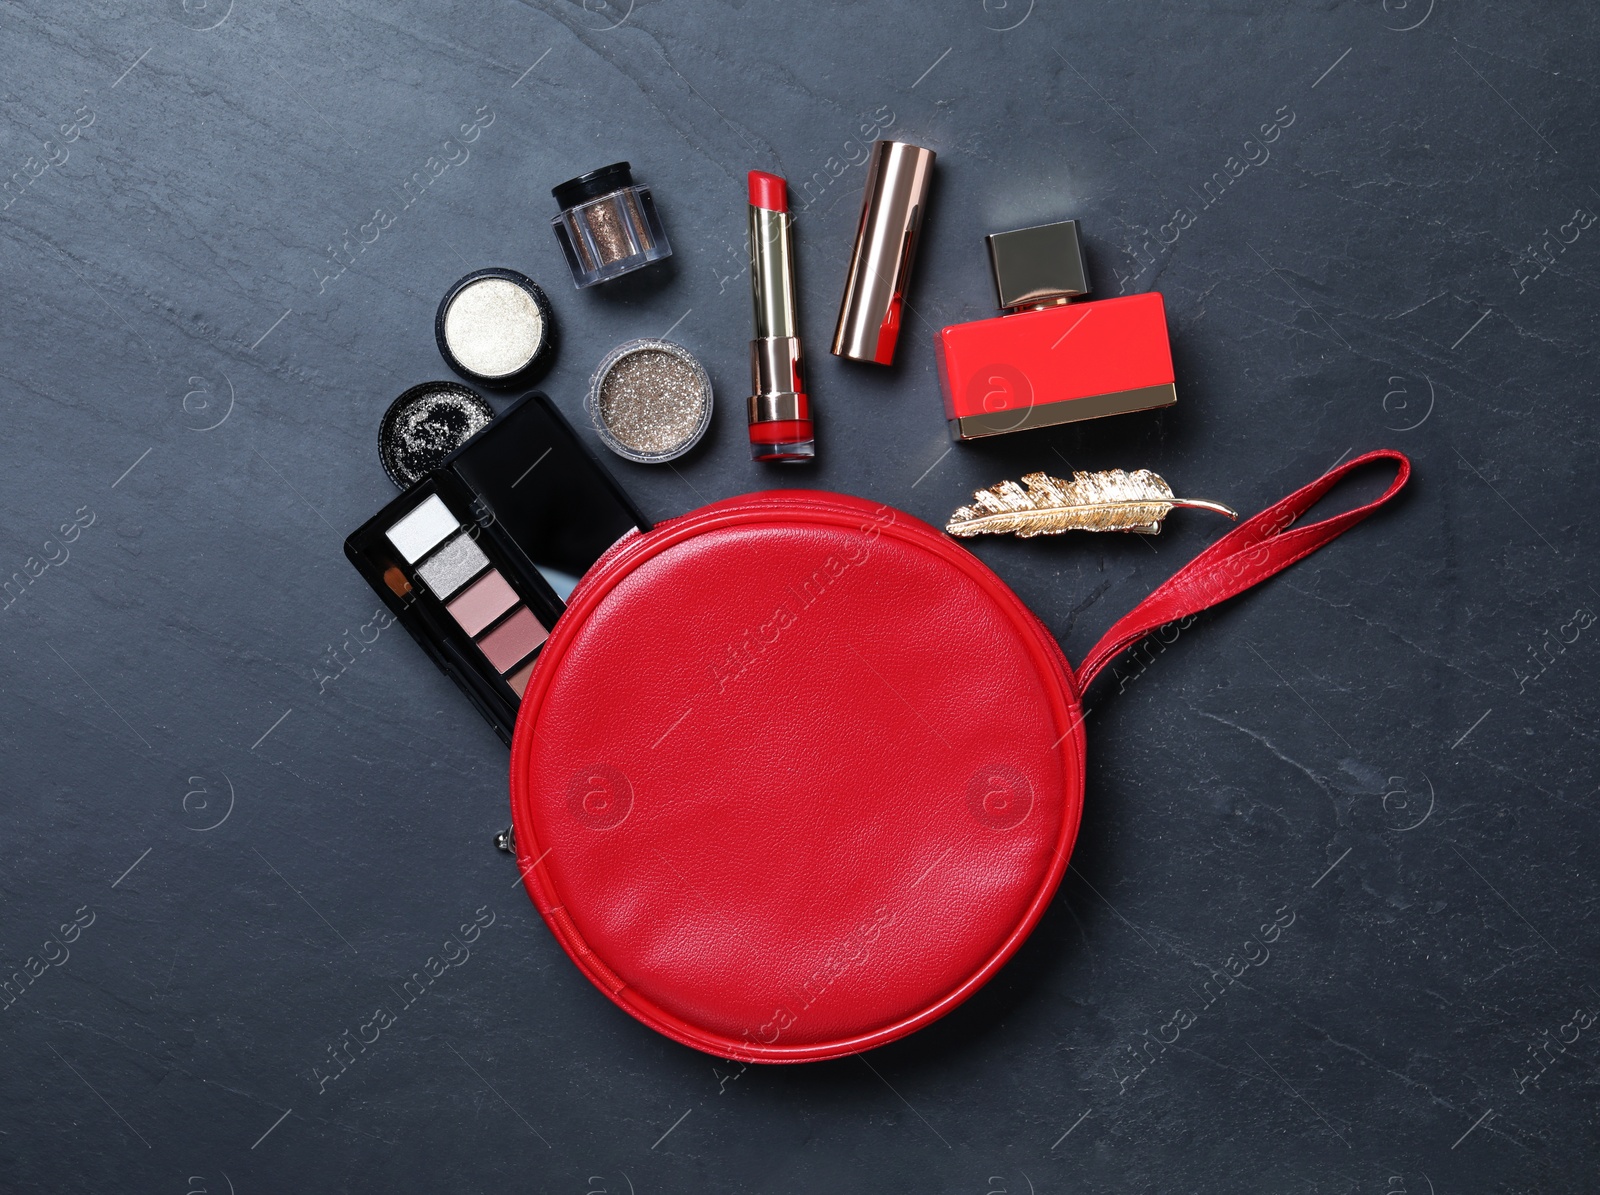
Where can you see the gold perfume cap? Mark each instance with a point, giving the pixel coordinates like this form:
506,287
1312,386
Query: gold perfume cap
1039,266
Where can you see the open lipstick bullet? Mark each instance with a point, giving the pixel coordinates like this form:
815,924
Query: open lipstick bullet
780,413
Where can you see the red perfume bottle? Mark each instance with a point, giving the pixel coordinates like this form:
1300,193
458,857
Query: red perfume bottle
1050,360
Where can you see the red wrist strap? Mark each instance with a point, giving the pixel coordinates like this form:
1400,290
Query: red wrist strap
1262,545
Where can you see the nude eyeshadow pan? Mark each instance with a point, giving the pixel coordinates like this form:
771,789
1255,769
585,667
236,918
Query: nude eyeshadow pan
485,600
513,640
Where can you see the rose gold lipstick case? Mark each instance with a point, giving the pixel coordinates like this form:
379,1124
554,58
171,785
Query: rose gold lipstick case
898,177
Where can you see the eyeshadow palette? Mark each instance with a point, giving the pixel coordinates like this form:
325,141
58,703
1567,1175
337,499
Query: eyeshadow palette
446,557
477,558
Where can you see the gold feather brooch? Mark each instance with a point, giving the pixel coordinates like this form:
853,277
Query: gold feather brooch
1111,501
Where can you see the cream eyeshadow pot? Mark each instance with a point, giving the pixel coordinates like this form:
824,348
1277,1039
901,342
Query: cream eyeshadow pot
495,327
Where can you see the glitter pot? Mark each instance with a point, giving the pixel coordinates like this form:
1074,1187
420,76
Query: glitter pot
608,225
494,326
426,424
650,401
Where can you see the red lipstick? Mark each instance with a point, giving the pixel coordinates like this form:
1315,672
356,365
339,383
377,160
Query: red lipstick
780,412
768,191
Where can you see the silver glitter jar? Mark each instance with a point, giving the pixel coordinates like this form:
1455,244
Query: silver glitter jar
650,401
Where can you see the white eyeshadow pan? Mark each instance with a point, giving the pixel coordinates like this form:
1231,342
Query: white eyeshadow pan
453,565
423,529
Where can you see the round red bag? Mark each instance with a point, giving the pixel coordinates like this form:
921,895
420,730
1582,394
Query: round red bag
796,773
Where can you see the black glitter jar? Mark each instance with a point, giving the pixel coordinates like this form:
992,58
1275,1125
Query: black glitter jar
426,424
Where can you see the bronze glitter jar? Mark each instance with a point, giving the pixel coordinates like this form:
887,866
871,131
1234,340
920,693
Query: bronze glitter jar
650,401
608,225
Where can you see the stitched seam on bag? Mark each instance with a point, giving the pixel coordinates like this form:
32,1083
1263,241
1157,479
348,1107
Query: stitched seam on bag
591,961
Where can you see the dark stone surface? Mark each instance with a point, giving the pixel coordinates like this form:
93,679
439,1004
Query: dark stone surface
1365,741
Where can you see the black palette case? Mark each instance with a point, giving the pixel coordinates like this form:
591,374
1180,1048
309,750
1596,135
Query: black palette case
477,558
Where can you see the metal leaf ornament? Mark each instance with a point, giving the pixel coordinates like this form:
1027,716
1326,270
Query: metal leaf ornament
1110,501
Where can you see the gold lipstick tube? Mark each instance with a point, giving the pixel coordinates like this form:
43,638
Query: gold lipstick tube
780,412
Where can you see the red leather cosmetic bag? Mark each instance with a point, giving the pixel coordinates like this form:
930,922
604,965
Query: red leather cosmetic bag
796,773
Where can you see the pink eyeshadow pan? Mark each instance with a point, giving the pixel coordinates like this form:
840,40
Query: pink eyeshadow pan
518,680
482,602
511,640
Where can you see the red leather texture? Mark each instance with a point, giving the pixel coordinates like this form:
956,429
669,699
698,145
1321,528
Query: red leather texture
796,774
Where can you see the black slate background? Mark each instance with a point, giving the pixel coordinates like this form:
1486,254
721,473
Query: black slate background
1366,741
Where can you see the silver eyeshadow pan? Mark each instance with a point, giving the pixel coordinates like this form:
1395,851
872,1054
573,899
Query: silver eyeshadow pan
453,565
423,529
